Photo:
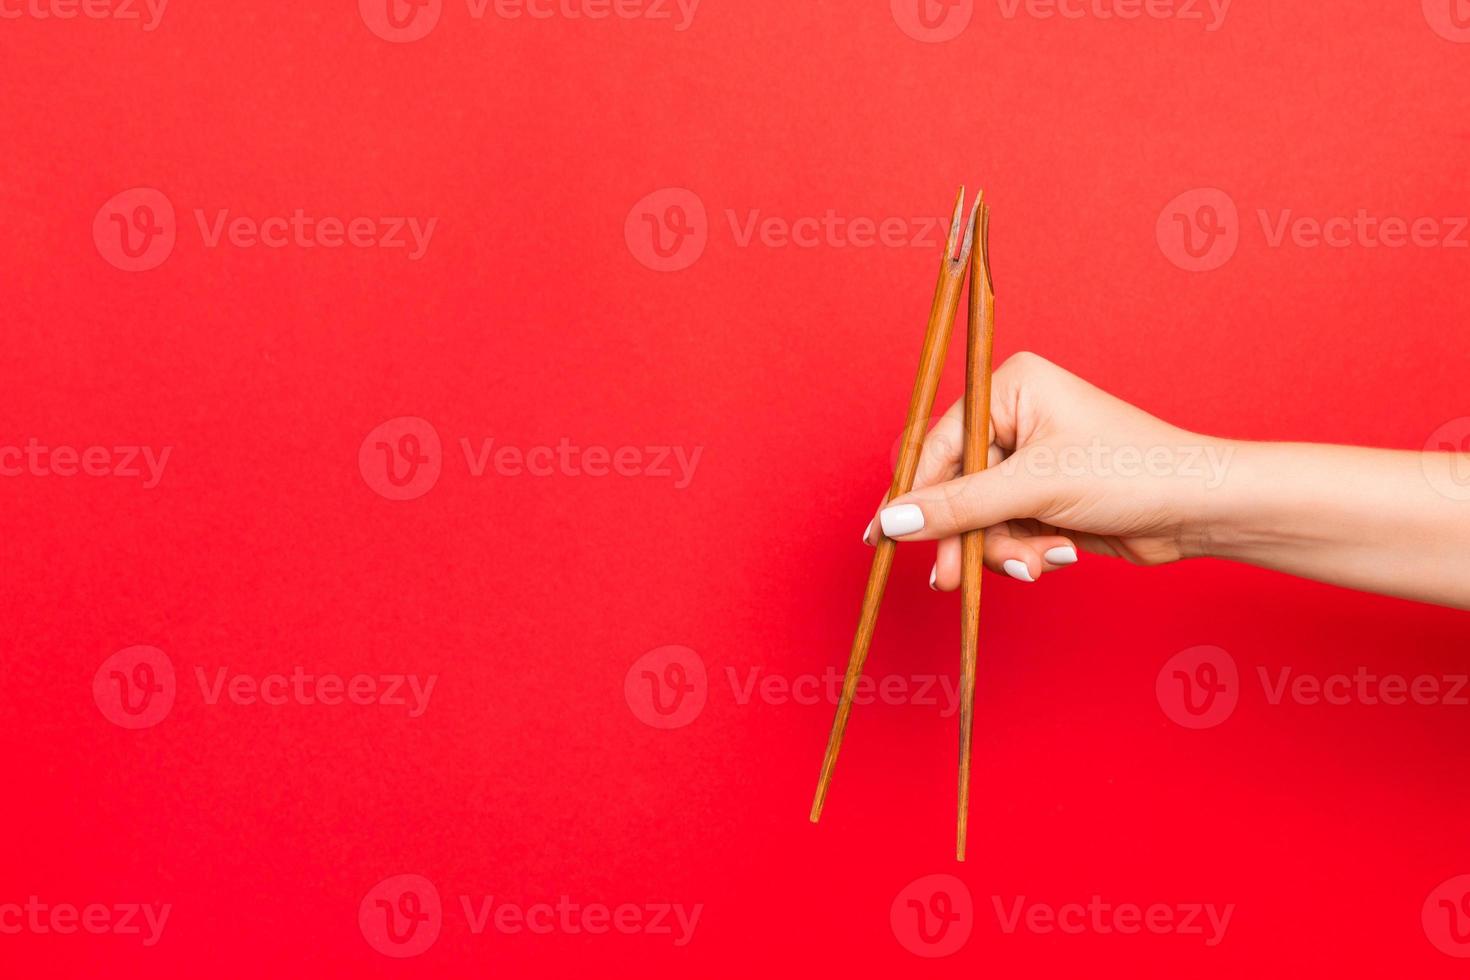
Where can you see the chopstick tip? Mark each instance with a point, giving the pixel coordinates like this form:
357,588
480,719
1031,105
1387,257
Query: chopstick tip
969,240
984,236
954,225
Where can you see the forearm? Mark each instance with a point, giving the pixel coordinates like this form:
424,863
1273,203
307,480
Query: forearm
1366,519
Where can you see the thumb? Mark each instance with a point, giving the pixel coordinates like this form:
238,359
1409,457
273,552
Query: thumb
980,500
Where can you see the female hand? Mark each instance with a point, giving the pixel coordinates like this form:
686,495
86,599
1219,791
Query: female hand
1070,466
1073,467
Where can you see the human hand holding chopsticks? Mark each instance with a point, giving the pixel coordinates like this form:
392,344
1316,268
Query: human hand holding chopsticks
1037,499
1034,463
1072,466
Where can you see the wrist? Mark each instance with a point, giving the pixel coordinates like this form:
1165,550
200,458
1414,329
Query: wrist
1256,508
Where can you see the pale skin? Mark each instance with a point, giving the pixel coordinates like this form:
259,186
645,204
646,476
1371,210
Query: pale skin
1074,469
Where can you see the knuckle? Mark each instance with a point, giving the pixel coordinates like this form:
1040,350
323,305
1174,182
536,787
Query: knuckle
1027,362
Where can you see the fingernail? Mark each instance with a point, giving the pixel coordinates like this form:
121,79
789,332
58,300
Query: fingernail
868,534
1061,555
934,578
1017,570
901,520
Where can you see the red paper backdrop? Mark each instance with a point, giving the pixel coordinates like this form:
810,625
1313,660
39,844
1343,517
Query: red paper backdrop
537,316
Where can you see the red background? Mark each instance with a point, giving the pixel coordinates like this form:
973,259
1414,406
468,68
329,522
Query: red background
530,320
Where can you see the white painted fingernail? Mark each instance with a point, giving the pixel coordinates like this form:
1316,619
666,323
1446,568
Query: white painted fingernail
1017,570
934,578
1062,555
868,534
900,520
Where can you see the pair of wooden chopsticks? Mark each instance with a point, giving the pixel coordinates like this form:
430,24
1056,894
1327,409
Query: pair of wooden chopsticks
973,257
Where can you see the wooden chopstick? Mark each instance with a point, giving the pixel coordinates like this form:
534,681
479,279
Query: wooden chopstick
952,273
979,349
